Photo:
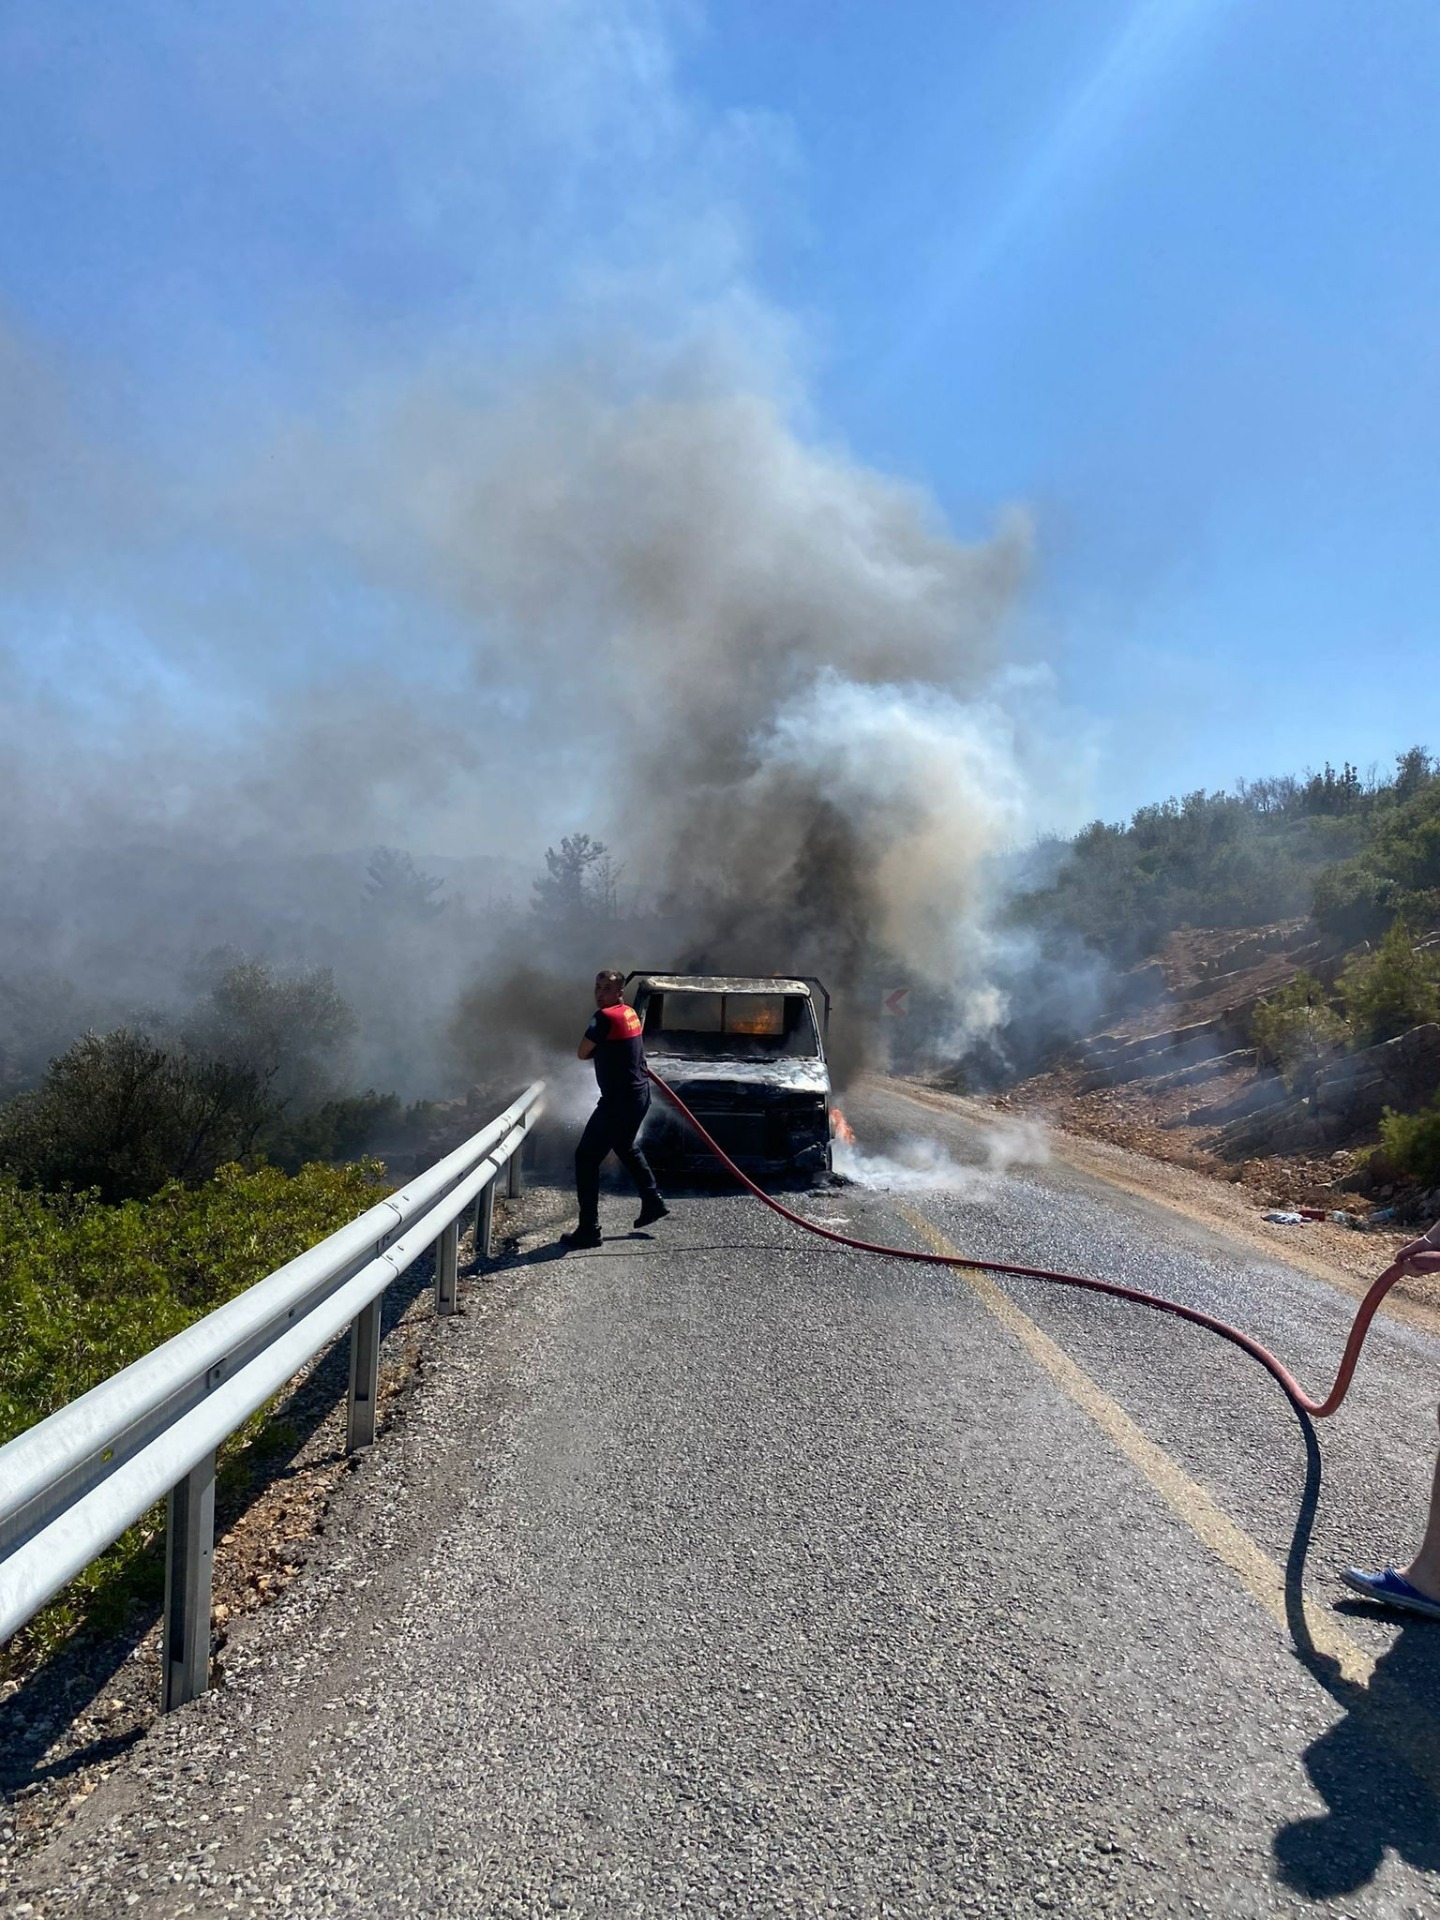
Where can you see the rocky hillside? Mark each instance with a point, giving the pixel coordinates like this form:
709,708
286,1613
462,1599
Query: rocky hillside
1180,1076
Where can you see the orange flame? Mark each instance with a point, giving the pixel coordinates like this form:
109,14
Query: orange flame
841,1127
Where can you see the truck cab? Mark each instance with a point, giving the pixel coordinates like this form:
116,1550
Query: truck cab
746,1053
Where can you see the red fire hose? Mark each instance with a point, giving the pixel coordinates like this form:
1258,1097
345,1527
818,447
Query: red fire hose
1319,1409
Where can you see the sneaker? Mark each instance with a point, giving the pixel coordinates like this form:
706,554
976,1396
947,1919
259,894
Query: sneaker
652,1208
580,1239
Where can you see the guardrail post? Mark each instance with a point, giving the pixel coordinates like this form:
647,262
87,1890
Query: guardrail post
364,1377
515,1180
447,1267
189,1556
484,1223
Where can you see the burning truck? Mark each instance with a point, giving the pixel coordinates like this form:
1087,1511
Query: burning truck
746,1053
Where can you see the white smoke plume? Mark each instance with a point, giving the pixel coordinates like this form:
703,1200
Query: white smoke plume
919,1164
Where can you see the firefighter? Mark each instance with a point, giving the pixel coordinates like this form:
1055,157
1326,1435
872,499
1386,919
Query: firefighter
612,1040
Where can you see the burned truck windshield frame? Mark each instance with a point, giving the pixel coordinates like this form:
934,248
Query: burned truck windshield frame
695,1025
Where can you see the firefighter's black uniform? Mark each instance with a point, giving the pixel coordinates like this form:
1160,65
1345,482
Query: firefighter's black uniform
619,1058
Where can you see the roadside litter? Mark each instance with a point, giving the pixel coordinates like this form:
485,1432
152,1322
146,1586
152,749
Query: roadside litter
1303,1216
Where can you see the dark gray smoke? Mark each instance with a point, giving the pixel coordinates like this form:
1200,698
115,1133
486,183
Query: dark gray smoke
758,670
461,597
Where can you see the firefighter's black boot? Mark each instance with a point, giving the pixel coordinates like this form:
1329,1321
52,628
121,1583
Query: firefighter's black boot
580,1239
652,1208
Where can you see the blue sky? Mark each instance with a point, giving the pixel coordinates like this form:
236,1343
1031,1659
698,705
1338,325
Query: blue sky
1166,272
1178,278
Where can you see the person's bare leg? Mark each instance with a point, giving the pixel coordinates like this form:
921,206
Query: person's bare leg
1424,1570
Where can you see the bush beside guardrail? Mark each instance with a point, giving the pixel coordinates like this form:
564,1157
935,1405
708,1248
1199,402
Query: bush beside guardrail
72,1484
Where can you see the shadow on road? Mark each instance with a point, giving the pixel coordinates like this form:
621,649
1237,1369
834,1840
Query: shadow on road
614,1184
1377,1769
623,1244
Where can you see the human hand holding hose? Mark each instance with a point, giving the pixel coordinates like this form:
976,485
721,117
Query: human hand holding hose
1422,1255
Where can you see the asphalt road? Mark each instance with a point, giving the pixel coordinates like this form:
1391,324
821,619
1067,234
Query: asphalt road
723,1572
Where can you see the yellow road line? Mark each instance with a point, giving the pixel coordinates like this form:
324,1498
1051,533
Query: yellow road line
1260,1576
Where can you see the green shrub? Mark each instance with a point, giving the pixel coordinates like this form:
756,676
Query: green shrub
1354,900
339,1130
86,1287
1411,1142
1296,1029
247,1072
121,1115
1398,873
1392,989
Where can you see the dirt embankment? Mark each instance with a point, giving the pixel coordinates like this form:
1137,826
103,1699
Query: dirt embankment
1177,1078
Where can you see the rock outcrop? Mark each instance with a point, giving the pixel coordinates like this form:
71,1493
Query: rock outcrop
1108,1060
1404,1073
1348,1098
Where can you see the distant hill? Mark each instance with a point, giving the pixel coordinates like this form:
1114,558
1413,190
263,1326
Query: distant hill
1248,982
1353,852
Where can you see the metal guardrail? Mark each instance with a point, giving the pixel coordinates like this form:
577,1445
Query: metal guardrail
72,1484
